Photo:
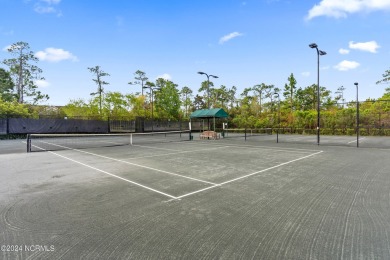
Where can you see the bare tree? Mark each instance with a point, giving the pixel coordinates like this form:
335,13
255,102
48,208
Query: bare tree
141,78
98,80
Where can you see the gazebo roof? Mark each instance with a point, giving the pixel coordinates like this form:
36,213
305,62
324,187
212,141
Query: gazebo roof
209,113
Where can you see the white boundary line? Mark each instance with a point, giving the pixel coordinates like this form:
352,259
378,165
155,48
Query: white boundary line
270,168
155,148
273,149
194,192
134,164
146,167
115,176
246,176
214,185
178,152
356,140
284,149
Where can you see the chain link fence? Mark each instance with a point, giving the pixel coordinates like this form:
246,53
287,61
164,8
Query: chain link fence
50,124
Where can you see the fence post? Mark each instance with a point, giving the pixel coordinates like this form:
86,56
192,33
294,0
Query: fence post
28,141
7,125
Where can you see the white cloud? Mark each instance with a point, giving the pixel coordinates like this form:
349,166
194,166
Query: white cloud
343,51
7,47
165,76
46,6
347,65
42,83
44,9
229,37
55,55
341,8
305,74
371,46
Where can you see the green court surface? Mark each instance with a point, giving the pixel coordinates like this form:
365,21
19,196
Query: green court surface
199,199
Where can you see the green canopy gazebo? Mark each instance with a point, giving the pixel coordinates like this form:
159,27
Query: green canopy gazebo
209,113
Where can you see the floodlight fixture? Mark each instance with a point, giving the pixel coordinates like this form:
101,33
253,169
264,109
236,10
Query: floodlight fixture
319,53
208,86
357,114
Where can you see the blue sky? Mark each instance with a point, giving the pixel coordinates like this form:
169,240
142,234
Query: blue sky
244,42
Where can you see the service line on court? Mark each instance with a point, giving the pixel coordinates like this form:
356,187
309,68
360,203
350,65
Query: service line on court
273,148
155,148
172,198
177,152
115,176
134,164
246,176
356,140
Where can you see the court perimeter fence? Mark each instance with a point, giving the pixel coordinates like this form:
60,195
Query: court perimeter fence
366,124
21,126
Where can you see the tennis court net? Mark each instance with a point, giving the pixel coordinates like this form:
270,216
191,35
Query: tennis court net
56,142
246,133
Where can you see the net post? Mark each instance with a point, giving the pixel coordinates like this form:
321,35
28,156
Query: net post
7,124
245,133
108,125
131,139
28,141
190,130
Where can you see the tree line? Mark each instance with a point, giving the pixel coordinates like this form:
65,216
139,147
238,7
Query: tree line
261,105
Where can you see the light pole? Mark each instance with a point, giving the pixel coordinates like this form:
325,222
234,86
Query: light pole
208,93
208,86
357,113
319,53
151,92
277,131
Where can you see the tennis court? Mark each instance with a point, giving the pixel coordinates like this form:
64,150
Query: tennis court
271,135
194,199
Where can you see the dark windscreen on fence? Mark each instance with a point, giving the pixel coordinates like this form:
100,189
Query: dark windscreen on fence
63,126
3,126
32,126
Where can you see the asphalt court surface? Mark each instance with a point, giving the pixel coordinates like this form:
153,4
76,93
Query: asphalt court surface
380,142
181,169
224,199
